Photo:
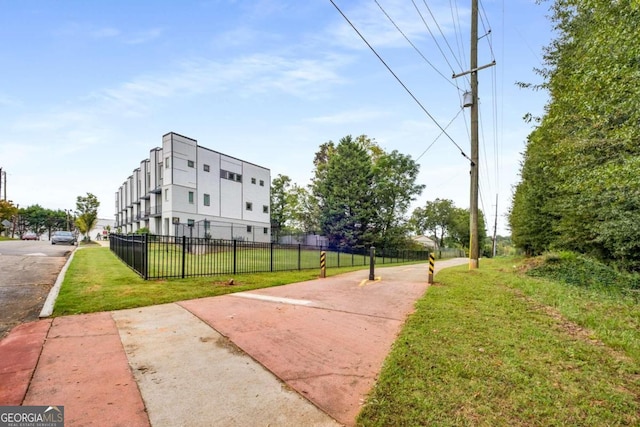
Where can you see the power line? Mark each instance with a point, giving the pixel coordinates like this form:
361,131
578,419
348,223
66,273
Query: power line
456,25
439,135
414,46
433,37
442,34
487,30
400,81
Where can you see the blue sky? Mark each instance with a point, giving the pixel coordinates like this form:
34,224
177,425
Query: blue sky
89,87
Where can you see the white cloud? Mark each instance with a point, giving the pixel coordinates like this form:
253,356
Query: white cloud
245,76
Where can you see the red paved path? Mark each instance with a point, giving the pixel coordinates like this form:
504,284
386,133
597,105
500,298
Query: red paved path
325,338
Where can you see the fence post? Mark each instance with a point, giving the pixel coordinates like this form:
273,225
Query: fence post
323,264
431,266
145,256
271,257
136,267
235,258
184,257
299,257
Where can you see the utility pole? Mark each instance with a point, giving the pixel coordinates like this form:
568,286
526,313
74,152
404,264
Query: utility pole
1,185
474,243
495,231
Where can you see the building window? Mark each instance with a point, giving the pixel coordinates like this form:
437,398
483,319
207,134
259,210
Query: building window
249,229
166,194
207,200
190,222
253,180
249,206
265,209
205,168
207,225
231,176
265,230
191,197
261,183
190,163
166,163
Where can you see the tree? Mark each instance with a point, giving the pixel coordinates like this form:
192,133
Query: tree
343,187
56,220
87,210
578,186
36,218
395,188
459,233
8,212
436,217
280,204
305,210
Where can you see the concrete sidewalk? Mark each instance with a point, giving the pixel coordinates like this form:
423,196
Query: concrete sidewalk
300,354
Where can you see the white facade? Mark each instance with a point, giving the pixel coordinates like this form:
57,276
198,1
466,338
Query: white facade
186,189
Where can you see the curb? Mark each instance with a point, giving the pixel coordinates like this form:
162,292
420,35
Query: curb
50,302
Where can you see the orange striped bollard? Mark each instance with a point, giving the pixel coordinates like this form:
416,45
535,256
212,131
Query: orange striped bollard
432,262
323,264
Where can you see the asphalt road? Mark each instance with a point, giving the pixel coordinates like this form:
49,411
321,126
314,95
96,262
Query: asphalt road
28,269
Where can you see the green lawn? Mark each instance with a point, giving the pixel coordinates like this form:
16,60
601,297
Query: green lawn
165,259
492,347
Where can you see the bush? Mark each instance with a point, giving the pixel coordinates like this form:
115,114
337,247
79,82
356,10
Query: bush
579,270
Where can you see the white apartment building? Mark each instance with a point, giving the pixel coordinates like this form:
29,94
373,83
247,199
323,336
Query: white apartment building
186,189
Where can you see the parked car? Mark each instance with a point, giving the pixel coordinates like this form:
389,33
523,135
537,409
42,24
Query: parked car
63,238
29,235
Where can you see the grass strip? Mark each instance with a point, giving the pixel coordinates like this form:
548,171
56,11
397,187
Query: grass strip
486,348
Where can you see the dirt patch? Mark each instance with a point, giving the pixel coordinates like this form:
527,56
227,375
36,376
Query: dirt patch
528,264
227,344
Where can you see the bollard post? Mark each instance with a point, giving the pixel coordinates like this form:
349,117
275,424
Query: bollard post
323,264
372,257
432,262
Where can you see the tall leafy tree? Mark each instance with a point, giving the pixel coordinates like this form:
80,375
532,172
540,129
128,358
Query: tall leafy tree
8,212
459,232
306,210
280,204
343,187
395,188
87,210
35,217
435,218
578,188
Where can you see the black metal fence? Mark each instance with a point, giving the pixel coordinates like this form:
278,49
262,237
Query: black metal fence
161,257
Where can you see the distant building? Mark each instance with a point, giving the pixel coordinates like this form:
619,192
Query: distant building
102,228
186,189
427,242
